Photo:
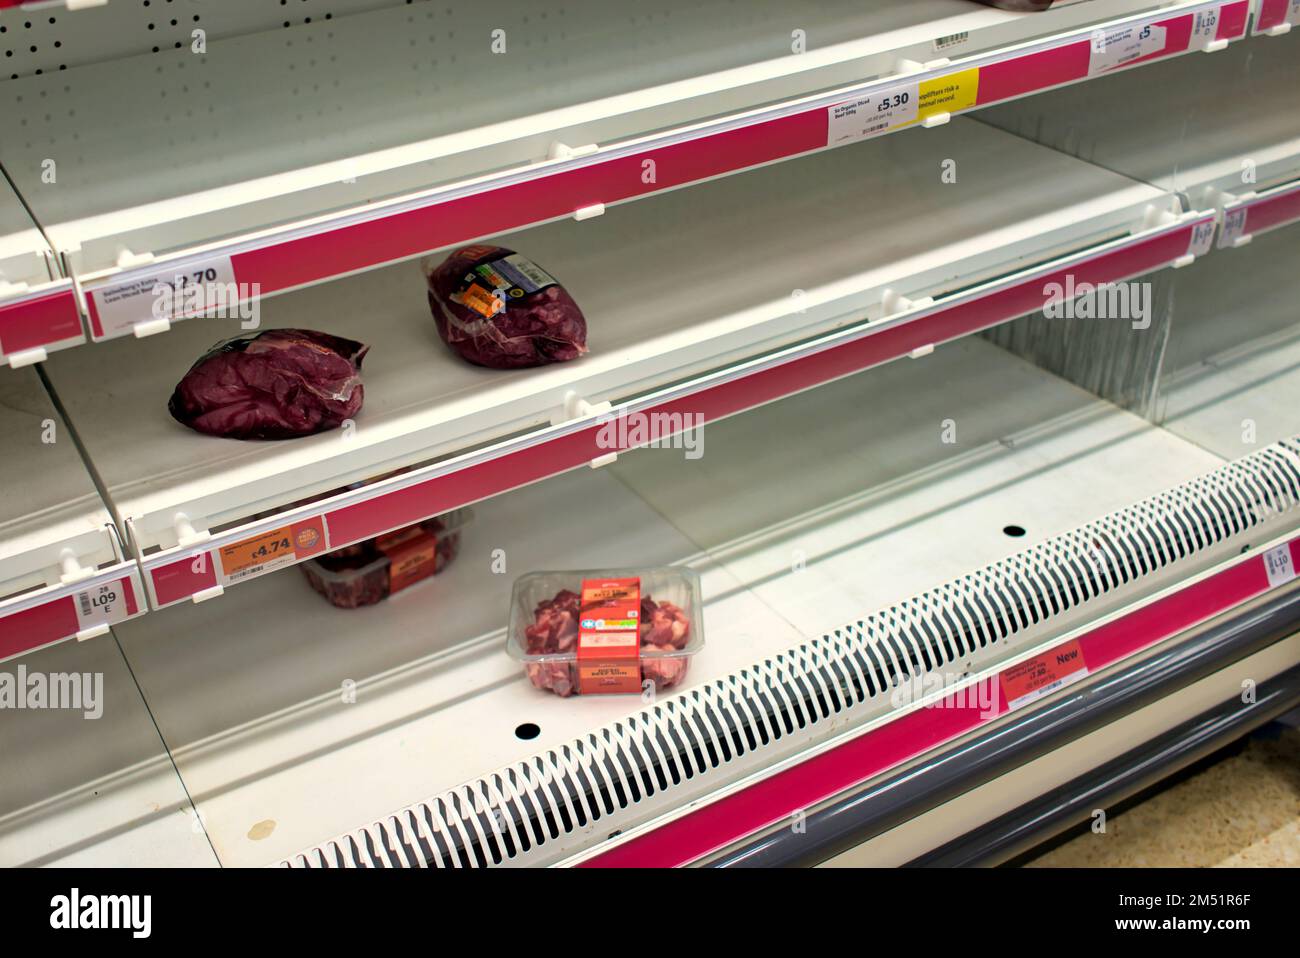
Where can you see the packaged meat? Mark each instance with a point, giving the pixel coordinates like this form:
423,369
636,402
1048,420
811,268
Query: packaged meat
278,384
367,572
603,631
495,308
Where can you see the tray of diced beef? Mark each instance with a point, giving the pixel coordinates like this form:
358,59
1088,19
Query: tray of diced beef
606,631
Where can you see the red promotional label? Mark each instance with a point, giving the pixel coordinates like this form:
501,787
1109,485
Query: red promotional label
609,636
1043,674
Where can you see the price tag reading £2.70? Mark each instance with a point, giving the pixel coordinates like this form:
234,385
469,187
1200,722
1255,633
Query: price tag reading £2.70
186,289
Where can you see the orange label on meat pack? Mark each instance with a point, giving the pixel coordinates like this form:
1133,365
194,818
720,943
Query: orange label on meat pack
270,550
481,301
609,636
412,556
1043,674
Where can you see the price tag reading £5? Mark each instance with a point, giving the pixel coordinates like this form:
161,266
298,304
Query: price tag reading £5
872,115
1120,46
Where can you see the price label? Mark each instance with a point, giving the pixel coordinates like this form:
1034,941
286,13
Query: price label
1234,226
170,293
272,550
1120,46
1043,675
1278,565
872,115
101,605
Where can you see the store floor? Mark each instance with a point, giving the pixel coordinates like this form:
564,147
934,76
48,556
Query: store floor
1242,810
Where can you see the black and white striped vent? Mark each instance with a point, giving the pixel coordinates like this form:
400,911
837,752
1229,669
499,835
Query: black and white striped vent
562,800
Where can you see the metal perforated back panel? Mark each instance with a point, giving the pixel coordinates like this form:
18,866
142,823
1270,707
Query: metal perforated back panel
47,40
564,799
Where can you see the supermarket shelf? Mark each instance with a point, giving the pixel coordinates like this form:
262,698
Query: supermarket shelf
62,573
256,717
693,345
91,786
1153,125
37,313
253,188
1275,17
1233,366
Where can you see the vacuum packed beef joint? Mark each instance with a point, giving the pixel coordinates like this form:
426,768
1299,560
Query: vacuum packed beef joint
279,384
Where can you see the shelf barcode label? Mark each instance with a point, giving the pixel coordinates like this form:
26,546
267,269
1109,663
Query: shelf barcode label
1202,238
1234,226
101,605
951,40
1278,565
1205,29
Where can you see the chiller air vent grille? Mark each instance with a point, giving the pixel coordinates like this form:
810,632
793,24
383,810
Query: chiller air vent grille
507,815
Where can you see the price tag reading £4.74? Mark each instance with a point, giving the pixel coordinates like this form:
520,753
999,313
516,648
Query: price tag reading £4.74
271,550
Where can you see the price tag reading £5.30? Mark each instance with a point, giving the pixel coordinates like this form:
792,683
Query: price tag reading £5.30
872,115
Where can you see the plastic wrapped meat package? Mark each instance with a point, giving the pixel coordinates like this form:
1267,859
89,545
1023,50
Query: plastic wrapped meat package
606,631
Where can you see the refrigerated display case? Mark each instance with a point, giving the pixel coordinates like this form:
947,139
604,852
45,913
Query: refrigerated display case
946,344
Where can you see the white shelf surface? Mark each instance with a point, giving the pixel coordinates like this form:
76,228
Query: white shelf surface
1157,124
1232,380
91,792
23,249
49,502
689,282
248,691
280,125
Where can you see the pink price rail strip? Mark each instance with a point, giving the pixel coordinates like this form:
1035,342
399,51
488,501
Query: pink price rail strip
62,612
1273,14
47,318
179,574
805,785
298,257
1270,210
